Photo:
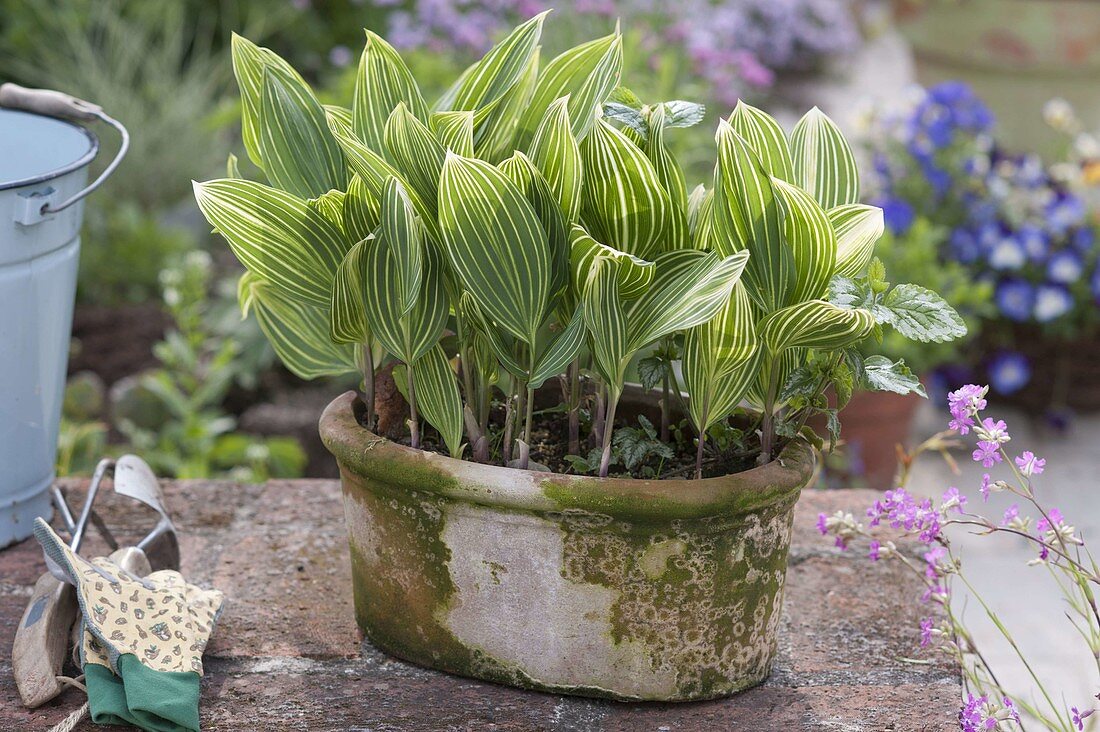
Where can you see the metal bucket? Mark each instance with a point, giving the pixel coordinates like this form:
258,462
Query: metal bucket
43,170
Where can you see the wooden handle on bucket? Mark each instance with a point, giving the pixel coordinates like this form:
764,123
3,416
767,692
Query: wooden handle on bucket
47,102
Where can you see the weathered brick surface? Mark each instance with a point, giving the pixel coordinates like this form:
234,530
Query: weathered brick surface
287,655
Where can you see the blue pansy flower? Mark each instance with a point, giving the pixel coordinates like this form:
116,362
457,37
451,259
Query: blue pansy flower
1065,212
1036,242
1065,267
963,246
1009,371
1052,301
1015,298
899,215
1007,254
1083,239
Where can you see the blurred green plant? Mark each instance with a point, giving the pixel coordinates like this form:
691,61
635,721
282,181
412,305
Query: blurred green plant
82,439
175,420
916,253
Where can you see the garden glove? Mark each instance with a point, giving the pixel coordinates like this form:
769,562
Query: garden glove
143,639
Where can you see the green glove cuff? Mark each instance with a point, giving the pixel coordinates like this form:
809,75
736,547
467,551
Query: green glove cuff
106,696
162,701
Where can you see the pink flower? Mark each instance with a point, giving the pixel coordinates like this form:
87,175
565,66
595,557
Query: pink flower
926,626
873,550
988,454
932,559
821,525
953,499
984,488
1011,514
964,404
991,431
1029,464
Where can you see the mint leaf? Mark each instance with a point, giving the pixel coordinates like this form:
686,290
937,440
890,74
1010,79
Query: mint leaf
635,446
802,383
627,116
882,374
920,314
844,292
679,113
651,370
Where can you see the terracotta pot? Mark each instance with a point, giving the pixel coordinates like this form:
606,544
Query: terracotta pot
1017,54
628,589
873,424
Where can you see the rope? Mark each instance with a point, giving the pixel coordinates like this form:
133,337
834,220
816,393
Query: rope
69,723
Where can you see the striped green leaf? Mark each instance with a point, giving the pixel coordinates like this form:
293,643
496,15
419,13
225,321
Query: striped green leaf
500,343
407,336
383,82
438,398
298,152
401,232
624,204
700,208
276,235
814,324
298,330
414,151
684,297
715,357
824,165
348,321
361,212
606,321
561,351
496,244
635,275
455,131
249,62
811,240
766,138
330,205
495,126
343,114
857,229
587,74
555,151
748,216
531,183
497,72
671,176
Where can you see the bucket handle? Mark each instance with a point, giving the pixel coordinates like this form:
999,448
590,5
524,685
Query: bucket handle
58,104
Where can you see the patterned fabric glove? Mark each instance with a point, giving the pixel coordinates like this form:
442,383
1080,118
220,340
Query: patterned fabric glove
143,639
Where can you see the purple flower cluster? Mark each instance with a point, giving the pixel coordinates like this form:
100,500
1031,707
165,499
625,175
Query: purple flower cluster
901,510
980,714
1010,220
735,46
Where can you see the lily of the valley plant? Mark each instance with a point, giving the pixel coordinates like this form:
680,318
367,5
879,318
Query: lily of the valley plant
531,226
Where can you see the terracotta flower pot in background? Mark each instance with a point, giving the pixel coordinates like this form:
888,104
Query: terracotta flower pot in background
630,589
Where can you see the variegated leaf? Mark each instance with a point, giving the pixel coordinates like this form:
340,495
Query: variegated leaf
766,138
606,321
671,176
330,205
299,153
249,62
684,297
406,336
497,71
814,324
276,235
298,330
531,183
383,82
811,240
361,212
561,351
700,207
496,244
438,398
635,275
586,74
624,204
416,152
455,131
495,131
824,165
555,152
857,229
401,232
747,216
349,297
343,114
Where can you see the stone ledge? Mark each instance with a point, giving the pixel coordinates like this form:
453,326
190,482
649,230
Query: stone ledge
287,655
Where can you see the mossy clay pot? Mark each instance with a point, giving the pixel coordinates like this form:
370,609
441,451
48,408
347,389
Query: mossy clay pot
666,590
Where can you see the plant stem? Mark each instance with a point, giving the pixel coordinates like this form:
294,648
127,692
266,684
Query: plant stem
368,383
767,426
525,453
608,428
509,419
575,407
665,406
677,392
702,437
414,423
598,416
